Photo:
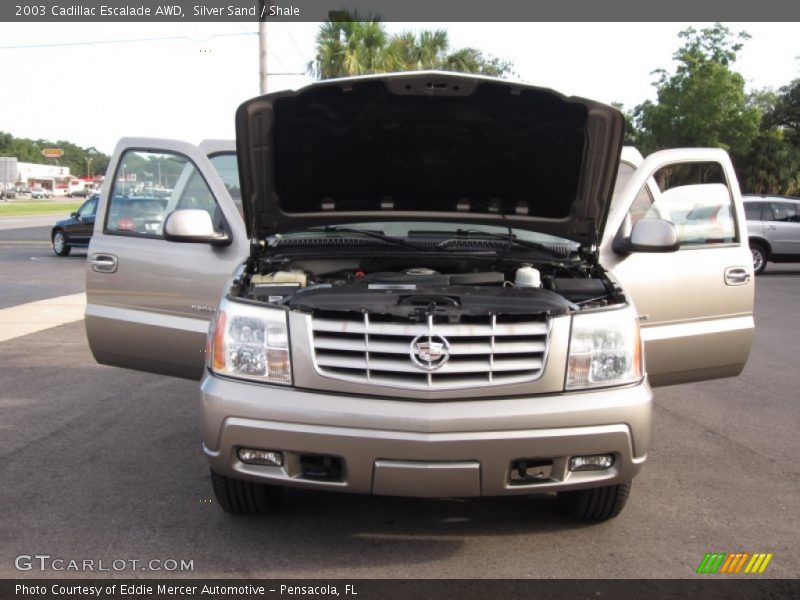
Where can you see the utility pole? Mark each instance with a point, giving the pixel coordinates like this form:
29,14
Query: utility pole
262,48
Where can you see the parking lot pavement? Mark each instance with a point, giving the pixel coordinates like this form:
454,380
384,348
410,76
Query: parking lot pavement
18,321
102,463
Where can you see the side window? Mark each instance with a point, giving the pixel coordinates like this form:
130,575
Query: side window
752,211
150,185
227,166
88,209
624,174
642,202
786,212
696,199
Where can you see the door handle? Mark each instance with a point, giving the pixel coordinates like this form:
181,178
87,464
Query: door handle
103,263
736,276
771,228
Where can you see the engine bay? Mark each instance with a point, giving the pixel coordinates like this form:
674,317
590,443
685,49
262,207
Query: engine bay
443,286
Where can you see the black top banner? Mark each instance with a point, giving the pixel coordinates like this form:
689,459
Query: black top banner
397,10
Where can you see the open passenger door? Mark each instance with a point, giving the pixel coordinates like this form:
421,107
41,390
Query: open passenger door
695,304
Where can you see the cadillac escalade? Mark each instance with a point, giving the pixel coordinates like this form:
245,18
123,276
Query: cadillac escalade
422,284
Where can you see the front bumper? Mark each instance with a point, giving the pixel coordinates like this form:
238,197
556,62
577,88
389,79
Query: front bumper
406,448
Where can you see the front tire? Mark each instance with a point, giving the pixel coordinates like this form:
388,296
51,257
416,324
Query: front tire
595,504
759,257
240,497
60,246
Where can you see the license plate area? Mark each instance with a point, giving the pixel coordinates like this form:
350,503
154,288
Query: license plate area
427,479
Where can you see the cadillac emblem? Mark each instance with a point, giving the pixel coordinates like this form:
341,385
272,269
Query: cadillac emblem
430,352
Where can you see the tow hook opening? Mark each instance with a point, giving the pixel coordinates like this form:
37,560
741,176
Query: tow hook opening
319,467
525,471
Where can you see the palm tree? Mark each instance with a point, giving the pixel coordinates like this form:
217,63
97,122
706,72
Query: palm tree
350,47
470,60
412,52
355,45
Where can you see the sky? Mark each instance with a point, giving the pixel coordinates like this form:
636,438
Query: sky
92,84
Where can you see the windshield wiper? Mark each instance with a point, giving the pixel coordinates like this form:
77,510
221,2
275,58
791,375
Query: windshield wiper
556,249
373,234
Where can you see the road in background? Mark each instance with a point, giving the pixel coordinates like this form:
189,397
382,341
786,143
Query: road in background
32,221
30,271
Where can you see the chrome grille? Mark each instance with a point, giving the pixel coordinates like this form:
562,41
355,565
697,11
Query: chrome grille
377,350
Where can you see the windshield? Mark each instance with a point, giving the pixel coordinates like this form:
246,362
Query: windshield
227,167
406,229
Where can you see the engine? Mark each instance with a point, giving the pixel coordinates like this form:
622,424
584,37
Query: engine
416,292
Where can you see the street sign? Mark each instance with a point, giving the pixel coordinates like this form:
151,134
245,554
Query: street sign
52,153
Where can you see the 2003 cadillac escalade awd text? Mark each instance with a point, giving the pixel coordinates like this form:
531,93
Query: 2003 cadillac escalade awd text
432,285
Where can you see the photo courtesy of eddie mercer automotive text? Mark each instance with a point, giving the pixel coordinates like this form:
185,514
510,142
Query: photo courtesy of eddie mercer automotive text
422,284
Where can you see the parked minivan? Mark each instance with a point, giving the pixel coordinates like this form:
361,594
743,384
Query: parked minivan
442,285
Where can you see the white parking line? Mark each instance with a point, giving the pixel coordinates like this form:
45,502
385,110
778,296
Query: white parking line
16,321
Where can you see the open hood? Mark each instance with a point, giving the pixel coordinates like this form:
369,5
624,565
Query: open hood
427,146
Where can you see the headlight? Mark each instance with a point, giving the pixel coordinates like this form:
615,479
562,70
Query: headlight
251,342
604,349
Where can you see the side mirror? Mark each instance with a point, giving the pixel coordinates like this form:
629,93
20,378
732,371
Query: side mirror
74,215
193,226
649,235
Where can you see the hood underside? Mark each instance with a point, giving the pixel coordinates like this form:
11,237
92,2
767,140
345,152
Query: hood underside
427,146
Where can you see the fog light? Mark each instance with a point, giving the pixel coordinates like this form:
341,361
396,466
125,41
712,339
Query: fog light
595,462
270,458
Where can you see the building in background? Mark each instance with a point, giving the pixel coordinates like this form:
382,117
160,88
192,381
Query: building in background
53,178
56,179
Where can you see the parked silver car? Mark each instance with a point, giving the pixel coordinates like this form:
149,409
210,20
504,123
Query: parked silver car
773,226
431,292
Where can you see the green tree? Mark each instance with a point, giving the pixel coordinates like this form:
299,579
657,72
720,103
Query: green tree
75,157
784,112
418,52
703,103
772,166
630,127
349,48
352,45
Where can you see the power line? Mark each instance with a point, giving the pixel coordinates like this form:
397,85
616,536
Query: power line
128,41
294,42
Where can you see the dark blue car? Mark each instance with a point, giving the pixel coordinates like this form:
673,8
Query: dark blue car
76,231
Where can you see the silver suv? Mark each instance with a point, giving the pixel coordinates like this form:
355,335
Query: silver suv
773,226
419,285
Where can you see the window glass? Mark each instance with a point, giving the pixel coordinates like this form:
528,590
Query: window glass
624,175
150,185
785,212
642,202
88,209
228,168
696,199
753,211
